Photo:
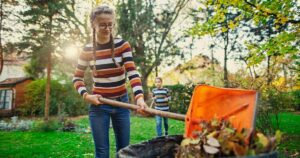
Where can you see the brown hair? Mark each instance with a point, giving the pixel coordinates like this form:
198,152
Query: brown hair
103,9
158,78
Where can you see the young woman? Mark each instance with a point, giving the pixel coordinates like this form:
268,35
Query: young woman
109,59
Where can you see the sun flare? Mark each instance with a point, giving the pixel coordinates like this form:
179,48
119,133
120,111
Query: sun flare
71,52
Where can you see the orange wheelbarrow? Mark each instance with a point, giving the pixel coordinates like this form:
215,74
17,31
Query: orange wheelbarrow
210,102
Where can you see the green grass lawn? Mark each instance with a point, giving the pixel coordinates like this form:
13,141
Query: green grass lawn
46,144
290,125
71,144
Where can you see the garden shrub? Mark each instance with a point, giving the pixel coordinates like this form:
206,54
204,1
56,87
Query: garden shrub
68,126
296,96
63,99
46,126
272,102
73,104
180,97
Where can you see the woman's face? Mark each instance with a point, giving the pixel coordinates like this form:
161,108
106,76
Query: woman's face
103,25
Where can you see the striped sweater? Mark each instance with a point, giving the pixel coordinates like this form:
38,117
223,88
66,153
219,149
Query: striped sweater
162,98
109,80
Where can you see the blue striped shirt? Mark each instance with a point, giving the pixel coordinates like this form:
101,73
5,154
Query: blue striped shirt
162,98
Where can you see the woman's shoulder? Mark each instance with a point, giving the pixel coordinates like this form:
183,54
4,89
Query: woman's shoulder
120,41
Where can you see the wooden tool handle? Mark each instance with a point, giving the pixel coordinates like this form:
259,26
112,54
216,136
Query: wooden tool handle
166,114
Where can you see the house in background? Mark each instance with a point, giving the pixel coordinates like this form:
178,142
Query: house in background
13,66
12,83
12,91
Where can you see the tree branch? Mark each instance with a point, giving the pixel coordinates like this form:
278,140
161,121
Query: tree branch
179,6
270,13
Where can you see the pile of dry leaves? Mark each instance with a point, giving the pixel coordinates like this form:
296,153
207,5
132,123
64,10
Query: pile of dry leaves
219,139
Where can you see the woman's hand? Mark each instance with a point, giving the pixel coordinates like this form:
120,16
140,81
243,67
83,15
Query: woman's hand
141,102
93,99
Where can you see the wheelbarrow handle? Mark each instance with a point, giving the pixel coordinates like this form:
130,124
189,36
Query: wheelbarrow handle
166,114
151,104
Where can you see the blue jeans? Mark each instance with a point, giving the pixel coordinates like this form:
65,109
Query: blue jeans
99,117
158,120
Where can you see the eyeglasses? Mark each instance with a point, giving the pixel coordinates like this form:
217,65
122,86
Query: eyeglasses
104,26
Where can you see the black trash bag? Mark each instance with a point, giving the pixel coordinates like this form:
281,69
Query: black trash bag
162,147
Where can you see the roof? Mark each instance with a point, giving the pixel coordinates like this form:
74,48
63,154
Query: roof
13,81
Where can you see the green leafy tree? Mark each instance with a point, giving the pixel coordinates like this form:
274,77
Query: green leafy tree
218,24
275,23
147,26
47,24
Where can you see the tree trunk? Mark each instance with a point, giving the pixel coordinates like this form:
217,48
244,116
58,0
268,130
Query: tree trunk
48,87
1,47
285,75
145,85
213,67
226,82
48,83
140,53
269,79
